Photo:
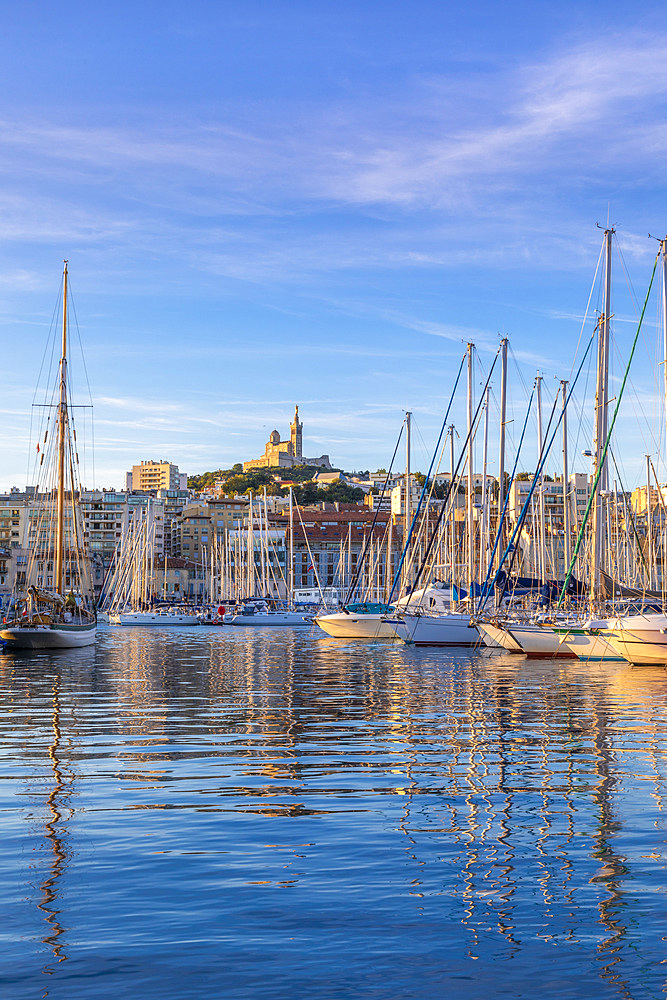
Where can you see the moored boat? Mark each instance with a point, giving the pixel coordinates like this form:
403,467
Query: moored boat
452,629
639,639
166,619
357,621
495,636
57,610
259,613
539,639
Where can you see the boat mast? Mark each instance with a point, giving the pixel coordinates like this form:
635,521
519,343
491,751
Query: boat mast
290,596
251,552
471,484
539,533
483,530
62,430
566,498
452,515
406,519
601,419
663,254
501,444
649,523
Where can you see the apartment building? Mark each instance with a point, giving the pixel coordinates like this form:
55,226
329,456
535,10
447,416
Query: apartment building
578,493
151,475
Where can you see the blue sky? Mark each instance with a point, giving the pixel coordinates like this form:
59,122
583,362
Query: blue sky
270,203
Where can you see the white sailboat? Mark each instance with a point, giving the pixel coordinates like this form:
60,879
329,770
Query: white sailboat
57,612
367,619
565,635
448,626
258,613
640,639
166,617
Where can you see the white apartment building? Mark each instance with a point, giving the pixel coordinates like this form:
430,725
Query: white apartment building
151,475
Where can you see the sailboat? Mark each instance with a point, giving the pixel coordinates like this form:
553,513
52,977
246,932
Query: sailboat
641,637
56,612
132,582
436,625
563,634
366,619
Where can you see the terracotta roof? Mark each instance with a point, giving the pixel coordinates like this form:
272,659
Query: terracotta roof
176,562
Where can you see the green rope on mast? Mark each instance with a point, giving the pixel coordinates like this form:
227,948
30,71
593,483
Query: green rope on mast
589,505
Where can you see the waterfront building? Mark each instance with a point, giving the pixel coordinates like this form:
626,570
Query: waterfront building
228,513
177,579
328,543
398,495
658,498
12,519
374,501
12,527
104,514
191,533
578,492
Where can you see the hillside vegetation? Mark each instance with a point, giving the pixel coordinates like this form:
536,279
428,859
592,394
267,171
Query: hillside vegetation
235,481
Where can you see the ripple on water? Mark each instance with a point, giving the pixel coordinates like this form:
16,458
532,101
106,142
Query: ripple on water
237,813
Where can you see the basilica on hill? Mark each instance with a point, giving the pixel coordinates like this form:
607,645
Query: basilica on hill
285,454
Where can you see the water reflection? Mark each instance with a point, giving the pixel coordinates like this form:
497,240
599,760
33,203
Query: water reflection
471,809
49,903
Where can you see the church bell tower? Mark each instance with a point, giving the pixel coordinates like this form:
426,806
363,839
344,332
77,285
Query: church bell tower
296,428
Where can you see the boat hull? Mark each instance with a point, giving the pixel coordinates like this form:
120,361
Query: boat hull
144,618
46,637
351,626
589,644
639,647
273,619
539,640
639,639
497,637
436,630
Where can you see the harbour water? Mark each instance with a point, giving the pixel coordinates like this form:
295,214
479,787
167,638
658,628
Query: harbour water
273,814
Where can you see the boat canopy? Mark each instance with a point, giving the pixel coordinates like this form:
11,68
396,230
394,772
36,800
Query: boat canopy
369,608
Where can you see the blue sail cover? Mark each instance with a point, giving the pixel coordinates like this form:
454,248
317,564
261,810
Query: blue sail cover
369,608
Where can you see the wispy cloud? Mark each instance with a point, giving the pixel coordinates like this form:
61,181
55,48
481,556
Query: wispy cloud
431,152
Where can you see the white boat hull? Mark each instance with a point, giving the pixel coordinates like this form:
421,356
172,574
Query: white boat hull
436,630
639,647
272,618
146,618
588,645
47,637
639,639
497,637
539,640
351,626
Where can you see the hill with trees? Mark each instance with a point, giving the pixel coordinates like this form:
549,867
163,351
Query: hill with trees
234,481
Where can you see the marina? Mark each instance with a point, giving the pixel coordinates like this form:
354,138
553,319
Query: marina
258,812
333,501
